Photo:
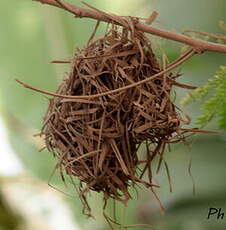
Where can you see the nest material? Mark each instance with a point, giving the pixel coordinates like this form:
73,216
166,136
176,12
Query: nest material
97,139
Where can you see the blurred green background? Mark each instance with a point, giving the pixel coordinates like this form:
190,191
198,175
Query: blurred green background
31,36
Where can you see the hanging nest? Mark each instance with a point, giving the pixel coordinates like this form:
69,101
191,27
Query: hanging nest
96,138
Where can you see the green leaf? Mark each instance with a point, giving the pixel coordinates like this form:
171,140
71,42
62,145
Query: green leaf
213,96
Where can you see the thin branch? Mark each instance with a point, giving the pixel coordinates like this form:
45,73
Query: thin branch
215,36
151,18
198,44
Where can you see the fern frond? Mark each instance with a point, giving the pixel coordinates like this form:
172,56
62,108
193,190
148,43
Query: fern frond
213,95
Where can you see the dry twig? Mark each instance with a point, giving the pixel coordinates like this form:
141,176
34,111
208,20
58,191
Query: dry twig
79,12
214,36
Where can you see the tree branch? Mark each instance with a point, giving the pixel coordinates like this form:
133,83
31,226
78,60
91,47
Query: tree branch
198,44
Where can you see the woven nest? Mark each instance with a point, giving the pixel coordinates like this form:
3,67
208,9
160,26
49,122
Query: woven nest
96,138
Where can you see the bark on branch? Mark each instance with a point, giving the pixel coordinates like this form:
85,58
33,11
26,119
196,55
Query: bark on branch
198,44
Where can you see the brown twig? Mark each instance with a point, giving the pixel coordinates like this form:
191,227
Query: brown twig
80,12
215,36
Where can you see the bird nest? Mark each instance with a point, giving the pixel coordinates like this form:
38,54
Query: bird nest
122,98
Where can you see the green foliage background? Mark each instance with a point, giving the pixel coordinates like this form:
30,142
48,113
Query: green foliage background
215,105
33,34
